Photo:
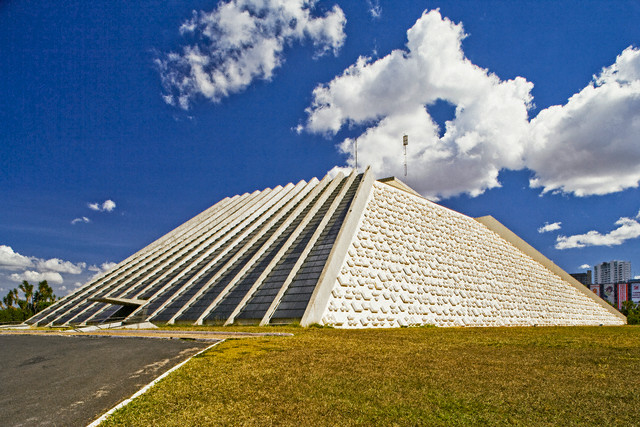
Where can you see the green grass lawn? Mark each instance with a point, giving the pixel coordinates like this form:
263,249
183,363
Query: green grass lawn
414,376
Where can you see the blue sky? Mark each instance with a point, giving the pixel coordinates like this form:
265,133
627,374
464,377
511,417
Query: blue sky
121,120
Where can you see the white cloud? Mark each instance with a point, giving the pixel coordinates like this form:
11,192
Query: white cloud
66,290
37,276
10,260
102,268
374,8
627,229
106,266
55,264
76,286
549,227
241,41
34,269
392,96
590,144
585,267
106,206
15,267
81,219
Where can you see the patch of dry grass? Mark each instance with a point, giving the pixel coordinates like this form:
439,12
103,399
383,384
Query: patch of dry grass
414,376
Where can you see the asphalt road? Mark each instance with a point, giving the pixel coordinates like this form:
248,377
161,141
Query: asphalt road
71,381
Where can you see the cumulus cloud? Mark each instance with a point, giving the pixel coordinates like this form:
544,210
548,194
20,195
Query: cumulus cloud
15,267
392,96
34,269
549,227
57,265
10,260
241,41
37,276
101,269
106,206
585,267
105,266
628,228
83,219
590,145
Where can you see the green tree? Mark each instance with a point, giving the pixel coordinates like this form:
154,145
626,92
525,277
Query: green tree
27,289
43,297
7,301
10,298
32,303
10,313
632,311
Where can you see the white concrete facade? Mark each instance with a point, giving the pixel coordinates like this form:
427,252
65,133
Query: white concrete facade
412,262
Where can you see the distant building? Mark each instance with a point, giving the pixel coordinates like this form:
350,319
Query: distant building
584,278
612,272
618,293
634,290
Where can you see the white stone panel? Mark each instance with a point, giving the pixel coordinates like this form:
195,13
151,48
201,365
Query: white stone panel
413,262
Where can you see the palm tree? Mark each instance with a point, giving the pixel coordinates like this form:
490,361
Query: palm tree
43,297
27,288
32,303
8,299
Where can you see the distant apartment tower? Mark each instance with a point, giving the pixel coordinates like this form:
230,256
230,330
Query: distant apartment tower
612,272
584,278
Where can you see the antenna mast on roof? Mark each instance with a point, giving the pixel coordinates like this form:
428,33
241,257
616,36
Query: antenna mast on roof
405,142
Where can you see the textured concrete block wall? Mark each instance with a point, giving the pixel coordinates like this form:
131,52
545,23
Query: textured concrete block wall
413,262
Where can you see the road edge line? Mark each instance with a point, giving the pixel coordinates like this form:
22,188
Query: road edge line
144,389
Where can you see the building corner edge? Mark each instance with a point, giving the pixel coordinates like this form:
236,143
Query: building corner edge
320,297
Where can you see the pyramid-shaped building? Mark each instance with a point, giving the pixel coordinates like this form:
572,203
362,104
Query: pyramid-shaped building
347,251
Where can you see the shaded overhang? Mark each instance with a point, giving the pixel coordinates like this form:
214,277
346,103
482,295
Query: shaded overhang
131,302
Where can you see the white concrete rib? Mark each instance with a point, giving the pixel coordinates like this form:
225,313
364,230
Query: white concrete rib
99,282
231,233
305,252
186,243
311,188
271,217
189,245
320,295
325,186
153,258
150,259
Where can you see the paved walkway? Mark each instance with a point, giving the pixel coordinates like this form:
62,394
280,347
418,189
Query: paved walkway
148,333
54,380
